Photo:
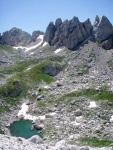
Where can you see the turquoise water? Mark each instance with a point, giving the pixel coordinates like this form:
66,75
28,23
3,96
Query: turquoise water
22,128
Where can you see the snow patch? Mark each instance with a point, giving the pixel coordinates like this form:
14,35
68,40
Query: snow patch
28,68
35,46
58,50
46,87
17,47
45,43
75,123
52,114
111,119
23,113
31,53
92,104
79,119
32,47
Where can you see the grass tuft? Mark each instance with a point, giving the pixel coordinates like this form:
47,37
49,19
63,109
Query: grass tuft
28,79
94,94
94,142
6,48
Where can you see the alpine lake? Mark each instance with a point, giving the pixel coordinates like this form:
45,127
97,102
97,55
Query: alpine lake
22,129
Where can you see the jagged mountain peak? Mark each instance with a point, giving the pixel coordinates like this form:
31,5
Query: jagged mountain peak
103,30
73,33
69,33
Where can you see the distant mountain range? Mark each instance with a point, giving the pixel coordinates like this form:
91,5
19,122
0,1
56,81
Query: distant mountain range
71,34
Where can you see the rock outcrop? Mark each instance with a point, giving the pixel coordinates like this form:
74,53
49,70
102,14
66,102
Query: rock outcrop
35,34
16,37
14,90
68,33
102,29
107,44
103,32
74,33
50,32
51,70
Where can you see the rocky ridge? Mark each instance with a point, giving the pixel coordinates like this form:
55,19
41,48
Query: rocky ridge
74,33
16,37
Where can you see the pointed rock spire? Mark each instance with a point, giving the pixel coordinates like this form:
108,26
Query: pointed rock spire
102,28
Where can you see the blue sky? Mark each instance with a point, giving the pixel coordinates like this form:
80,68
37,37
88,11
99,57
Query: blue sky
30,15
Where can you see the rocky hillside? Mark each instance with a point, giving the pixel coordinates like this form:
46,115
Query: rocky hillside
35,143
74,33
67,93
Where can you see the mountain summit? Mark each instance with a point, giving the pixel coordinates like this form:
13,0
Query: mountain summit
73,33
69,33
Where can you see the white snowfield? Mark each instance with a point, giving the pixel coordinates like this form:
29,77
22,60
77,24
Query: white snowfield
32,47
26,116
92,104
59,50
23,112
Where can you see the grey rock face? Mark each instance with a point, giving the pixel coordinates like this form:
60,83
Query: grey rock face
50,31
102,29
107,44
15,37
51,70
74,33
36,140
35,34
69,33
58,22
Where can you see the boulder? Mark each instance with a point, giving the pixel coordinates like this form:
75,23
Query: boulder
78,113
62,145
107,44
37,127
84,148
14,90
51,70
73,147
36,140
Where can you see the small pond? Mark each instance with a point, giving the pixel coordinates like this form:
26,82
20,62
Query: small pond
22,128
